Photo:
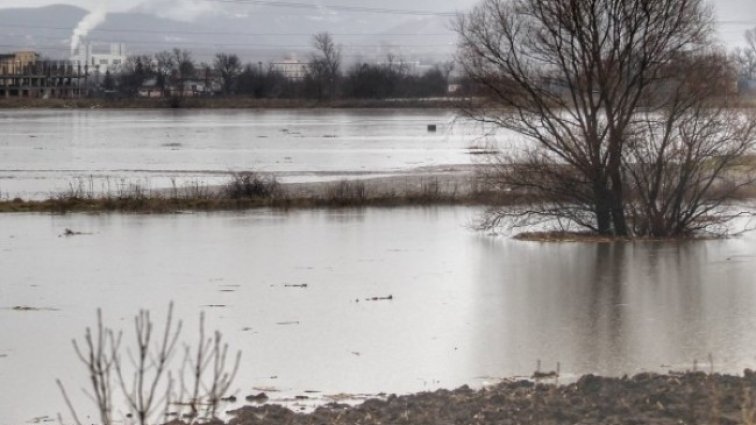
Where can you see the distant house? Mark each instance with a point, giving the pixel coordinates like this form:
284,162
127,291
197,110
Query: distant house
291,68
150,88
192,87
454,88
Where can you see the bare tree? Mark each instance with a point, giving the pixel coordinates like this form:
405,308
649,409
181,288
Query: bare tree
183,63
164,65
745,58
325,65
684,157
577,79
229,67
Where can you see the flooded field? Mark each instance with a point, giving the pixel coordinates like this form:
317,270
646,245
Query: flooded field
46,151
465,308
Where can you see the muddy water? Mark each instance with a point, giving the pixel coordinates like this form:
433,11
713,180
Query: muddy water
467,308
44,151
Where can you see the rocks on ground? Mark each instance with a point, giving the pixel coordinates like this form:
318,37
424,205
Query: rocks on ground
692,398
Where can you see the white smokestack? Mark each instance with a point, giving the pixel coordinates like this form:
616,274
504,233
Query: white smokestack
95,18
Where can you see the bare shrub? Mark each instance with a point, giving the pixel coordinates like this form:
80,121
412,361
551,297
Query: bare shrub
251,185
145,374
210,379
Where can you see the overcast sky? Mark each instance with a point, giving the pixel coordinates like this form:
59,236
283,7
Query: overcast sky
735,16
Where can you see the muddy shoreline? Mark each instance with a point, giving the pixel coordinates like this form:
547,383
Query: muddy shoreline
689,398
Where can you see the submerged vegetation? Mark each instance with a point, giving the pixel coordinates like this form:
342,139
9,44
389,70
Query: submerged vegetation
253,190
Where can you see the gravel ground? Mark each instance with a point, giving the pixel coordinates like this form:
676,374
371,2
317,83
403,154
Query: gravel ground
692,398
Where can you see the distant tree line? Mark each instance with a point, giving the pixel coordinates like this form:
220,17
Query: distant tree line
323,77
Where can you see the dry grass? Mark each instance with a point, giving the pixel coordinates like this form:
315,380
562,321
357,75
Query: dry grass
250,191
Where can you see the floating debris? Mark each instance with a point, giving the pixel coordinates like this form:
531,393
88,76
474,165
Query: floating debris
229,399
68,232
215,306
28,308
287,323
259,398
389,298
302,285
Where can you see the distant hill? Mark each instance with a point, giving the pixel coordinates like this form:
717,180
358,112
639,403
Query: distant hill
256,36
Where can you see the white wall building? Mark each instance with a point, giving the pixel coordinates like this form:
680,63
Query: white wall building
291,68
100,58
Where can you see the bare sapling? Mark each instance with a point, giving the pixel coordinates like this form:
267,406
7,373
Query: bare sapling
97,354
150,363
210,377
145,375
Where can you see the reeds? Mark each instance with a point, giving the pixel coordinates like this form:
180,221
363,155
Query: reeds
255,190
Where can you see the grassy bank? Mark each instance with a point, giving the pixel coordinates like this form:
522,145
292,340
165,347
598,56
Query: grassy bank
250,191
224,103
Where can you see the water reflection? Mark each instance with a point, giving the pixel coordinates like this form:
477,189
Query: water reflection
614,308
466,307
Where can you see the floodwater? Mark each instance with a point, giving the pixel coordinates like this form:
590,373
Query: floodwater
466,307
47,151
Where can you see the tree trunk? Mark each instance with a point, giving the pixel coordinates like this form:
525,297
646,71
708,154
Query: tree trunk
618,206
603,210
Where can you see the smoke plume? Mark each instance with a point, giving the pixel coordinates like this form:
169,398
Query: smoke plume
95,18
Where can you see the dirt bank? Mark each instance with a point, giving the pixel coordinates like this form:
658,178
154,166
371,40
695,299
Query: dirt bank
693,398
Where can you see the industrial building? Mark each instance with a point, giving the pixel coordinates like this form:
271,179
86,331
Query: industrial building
24,75
100,57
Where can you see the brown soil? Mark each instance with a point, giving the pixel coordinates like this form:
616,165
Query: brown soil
692,398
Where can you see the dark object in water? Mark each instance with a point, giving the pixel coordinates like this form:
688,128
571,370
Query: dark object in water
389,298
432,128
259,398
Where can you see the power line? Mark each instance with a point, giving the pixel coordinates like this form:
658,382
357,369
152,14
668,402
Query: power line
210,49
282,34
340,8
265,45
